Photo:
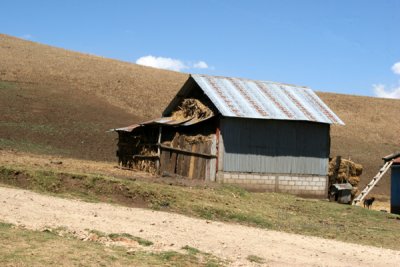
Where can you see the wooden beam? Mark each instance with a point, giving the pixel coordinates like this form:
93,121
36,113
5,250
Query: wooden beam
206,155
146,156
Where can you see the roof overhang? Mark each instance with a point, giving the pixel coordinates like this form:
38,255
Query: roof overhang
163,121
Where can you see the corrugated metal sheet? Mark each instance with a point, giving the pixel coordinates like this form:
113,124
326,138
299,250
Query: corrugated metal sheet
168,121
275,146
345,186
129,128
236,97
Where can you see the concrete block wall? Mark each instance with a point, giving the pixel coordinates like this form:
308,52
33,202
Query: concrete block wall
306,185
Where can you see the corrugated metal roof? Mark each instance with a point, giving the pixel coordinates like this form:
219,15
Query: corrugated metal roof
237,97
169,121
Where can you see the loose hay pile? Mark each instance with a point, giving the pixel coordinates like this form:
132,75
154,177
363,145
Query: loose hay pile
344,170
148,151
192,108
145,165
197,139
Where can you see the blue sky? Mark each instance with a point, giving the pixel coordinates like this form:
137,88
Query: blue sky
343,46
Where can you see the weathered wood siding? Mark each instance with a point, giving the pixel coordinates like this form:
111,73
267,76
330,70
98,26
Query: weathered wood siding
273,146
187,164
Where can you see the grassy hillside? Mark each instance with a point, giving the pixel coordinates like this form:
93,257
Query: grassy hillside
57,101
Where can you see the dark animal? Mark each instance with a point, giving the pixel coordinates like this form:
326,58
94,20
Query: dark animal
368,202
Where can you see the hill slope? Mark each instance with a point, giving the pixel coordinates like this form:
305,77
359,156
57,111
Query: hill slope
133,87
57,101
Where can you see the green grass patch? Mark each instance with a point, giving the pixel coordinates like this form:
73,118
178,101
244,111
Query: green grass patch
29,127
115,236
141,241
26,146
7,85
191,250
256,259
274,211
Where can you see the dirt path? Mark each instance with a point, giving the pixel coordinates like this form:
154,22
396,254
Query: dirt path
172,231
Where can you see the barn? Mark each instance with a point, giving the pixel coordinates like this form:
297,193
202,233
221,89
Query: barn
257,134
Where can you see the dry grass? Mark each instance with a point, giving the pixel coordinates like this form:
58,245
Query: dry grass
22,247
33,161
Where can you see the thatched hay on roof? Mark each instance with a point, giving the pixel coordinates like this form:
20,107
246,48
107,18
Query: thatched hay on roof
192,108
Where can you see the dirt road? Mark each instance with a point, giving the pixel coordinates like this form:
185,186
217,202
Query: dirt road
172,231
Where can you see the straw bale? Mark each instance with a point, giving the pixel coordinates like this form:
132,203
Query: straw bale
354,191
354,180
359,169
348,171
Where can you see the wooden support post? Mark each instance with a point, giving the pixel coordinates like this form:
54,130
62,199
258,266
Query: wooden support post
159,149
334,177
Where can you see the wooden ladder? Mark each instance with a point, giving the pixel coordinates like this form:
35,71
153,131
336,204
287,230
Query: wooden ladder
373,182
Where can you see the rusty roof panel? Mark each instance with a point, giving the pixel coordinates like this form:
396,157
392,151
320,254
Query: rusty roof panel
166,121
129,128
237,97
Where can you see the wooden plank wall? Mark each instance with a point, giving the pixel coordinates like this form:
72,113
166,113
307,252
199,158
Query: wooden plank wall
184,164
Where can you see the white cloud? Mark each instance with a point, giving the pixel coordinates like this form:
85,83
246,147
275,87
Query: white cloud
162,63
170,63
200,65
396,68
380,91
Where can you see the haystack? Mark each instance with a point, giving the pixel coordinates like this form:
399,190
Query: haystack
193,109
345,170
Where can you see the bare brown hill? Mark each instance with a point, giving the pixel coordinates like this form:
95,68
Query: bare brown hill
62,102
140,90
58,101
